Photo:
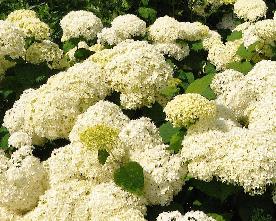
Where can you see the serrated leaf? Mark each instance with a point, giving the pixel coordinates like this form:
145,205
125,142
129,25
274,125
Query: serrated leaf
102,156
235,35
197,46
176,141
202,86
167,130
130,177
215,189
243,67
148,14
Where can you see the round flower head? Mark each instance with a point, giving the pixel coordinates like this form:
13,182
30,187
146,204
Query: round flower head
19,139
250,9
22,181
11,40
165,29
43,51
81,23
21,14
100,136
186,109
28,21
122,27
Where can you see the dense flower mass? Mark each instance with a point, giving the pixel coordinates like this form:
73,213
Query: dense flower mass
133,117
186,109
250,9
80,24
122,27
11,40
22,180
30,24
50,111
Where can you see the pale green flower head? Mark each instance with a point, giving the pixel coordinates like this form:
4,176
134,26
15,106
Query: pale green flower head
100,136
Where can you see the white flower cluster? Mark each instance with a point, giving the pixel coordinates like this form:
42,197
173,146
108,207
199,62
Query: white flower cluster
11,40
250,9
30,24
50,111
20,139
165,32
163,171
122,27
244,156
81,23
177,216
136,70
45,51
262,32
22,180
78,200
4,66
186,109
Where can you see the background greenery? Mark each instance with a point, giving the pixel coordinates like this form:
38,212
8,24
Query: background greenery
223,202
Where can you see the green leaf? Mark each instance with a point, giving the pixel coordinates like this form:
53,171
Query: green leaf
197,46
176,141
243,67
217,217
167,130
170,91
148,14
70,44
189,76
82,54
215,189
145,2
130,177
209,68
235,35
102,156
4,142
202,86
246,53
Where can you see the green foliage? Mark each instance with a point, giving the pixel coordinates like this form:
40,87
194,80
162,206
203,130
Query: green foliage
243,67
197,46
170,91
235,35
176,141
102,156
167,131
148,14
130,177
202,86
82,54
215,189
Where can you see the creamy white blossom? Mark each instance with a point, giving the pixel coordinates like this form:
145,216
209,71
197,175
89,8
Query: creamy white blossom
122,27
250,9
22,180
11,40
81,23
50,111
186,109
